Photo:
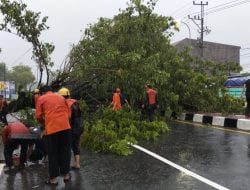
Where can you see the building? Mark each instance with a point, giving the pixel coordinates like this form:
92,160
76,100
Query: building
216,52
211,51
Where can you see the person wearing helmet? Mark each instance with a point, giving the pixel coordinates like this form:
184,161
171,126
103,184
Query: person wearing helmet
76,122
116,100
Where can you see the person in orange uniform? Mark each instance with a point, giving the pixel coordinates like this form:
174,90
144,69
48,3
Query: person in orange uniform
151,102
116,101
76,123
53,112
12,137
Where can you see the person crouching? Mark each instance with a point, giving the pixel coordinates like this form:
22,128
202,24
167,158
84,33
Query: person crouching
12,137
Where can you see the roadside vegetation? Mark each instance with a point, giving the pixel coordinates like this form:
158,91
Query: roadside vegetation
113,131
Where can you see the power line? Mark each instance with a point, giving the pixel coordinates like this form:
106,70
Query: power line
220,5
188,11
246,63
223,6
227,7
246,44
244,49
184,14
14,62
176,11
245,54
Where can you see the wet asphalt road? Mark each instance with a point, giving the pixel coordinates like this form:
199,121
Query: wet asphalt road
220,156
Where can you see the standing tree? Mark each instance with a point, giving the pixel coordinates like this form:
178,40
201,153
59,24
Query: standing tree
27,25
22,75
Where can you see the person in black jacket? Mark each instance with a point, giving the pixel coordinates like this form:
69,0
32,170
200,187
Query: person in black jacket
76,123
247,94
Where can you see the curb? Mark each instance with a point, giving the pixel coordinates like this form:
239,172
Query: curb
239,123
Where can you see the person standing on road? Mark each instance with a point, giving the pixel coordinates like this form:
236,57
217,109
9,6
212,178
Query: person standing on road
76,123
247,94
53,112
150,103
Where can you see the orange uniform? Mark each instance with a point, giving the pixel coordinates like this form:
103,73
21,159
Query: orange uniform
151,96
52,111
12,129
70,102
116,101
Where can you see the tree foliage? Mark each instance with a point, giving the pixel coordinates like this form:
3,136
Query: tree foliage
113,131
133,48
22,75
28,25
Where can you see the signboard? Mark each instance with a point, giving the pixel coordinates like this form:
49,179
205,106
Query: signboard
7,88
2,86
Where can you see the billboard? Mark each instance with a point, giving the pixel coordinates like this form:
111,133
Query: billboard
7,89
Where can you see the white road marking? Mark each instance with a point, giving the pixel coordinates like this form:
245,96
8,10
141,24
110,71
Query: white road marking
245,146
35,187
1,168
188,172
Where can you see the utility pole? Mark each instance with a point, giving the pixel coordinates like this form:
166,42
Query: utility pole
4,79
201,26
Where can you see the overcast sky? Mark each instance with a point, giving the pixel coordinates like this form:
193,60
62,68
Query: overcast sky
68,18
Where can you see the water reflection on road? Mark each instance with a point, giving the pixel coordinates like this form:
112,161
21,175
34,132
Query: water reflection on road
218,155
